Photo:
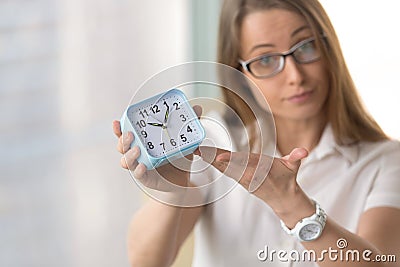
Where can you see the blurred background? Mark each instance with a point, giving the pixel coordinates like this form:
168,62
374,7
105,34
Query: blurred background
69,67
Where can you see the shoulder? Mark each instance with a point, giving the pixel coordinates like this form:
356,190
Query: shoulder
381,149
383,157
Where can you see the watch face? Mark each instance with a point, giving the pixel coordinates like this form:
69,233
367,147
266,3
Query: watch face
310,231
166,124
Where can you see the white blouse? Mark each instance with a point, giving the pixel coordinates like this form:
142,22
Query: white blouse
345,180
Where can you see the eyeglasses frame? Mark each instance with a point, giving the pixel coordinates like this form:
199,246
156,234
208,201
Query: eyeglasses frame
290,52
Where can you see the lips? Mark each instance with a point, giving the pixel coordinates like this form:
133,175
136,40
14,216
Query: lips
300,98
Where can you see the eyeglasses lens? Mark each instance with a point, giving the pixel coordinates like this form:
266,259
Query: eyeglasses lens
270,65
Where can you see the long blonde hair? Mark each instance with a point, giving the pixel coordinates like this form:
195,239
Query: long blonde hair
349,119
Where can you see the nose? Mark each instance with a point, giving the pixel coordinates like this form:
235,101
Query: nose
293,71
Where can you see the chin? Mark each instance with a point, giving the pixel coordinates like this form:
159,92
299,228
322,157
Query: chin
300,114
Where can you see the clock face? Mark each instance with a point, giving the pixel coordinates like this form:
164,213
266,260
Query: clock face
310,231
166,124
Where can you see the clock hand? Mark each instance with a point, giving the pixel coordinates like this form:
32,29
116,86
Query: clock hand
151,116
166,112
156,124
166,130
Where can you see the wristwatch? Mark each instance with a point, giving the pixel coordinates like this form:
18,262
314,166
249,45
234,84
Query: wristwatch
309,228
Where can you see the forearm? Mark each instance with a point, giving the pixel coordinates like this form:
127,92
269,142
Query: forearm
153,232
336,246
339,247
157,231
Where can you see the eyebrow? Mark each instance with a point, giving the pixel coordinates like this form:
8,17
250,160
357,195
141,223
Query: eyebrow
298,30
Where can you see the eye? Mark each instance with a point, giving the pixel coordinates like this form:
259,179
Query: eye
266,61
266,65
307,51
307,47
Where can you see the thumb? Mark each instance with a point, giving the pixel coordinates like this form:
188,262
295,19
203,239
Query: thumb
198,110
293,160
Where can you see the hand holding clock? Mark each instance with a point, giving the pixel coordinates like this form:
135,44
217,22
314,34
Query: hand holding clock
154,178
163,136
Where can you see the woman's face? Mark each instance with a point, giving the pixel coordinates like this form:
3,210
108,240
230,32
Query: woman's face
299,91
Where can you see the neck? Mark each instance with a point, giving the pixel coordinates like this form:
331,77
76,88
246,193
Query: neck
298,133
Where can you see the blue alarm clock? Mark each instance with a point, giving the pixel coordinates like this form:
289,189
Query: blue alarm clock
165,128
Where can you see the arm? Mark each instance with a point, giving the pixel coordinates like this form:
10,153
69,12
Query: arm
157,230
378,232
380,226
378,229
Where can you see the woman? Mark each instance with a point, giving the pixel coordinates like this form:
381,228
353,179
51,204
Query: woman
339,180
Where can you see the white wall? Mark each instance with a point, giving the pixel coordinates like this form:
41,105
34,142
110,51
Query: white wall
368,31
67,69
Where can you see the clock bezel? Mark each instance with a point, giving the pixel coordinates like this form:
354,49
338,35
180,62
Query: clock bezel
192,119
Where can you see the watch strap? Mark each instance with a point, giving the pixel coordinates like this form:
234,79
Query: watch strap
319,216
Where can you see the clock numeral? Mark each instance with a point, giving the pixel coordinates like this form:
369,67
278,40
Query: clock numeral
172,141
155,109
150,144
176,105
144,133
144,113
141,123
183,117
188,129
163,145
183,138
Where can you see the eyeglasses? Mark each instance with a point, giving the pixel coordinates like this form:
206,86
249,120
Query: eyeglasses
268,65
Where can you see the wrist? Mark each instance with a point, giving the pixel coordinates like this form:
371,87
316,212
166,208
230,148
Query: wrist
299,207
185,196
309,228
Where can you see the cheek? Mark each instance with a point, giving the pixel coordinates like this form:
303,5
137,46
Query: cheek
265,98
323,83
273,97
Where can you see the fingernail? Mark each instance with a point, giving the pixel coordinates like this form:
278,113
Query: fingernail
222,159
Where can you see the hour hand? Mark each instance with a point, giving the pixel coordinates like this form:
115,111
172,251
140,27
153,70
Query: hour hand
155,124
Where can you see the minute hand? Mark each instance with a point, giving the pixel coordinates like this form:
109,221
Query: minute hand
166,112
